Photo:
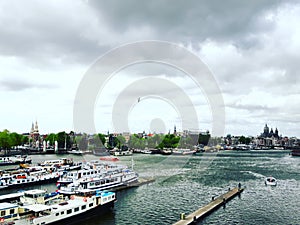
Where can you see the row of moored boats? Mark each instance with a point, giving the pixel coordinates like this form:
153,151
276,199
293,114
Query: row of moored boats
82,191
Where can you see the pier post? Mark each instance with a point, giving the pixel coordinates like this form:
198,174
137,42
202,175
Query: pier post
182,216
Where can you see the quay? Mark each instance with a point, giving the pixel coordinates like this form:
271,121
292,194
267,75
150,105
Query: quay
140,182
201,213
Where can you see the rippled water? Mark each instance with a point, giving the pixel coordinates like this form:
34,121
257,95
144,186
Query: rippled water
183,184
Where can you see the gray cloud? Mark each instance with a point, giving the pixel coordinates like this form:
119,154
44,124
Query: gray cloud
191,20
77,32
21,85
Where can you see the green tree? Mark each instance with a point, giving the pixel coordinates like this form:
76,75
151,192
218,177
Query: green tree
204,138
51,138
242,140
82,142
5,142
24,140
102,139
169,141
63,140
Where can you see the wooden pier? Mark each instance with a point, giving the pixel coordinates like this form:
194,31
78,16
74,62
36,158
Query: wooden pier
140,182
199,214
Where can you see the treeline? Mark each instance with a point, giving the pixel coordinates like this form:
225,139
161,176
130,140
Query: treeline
8,139
85,141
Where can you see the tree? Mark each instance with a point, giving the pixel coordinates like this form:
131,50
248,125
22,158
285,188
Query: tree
51,138
63,140
242,140
121,140
102,139
204,138
169,141
5,142
24,140
82,142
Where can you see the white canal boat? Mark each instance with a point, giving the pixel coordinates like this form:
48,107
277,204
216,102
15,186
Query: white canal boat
102,180
81,205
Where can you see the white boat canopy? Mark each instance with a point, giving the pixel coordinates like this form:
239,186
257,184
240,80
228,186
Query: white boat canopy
37,207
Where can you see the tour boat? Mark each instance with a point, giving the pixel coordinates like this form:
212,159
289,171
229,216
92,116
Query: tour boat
101,181
38,175
60,210
271,181
14,160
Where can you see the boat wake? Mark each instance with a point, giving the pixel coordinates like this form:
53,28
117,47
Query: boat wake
258,175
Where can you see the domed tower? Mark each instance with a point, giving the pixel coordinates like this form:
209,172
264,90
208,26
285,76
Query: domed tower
266,131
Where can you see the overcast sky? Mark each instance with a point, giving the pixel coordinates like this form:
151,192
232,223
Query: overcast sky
252,48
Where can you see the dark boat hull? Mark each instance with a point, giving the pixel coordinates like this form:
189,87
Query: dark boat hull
21,185
15,163
295,151
99,210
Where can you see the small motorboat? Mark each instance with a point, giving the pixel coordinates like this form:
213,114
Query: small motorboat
271,181
109,158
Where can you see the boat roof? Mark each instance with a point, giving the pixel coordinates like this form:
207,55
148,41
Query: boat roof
35,191
6,205
37,207
12,195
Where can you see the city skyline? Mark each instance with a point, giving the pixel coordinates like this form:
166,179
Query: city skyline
251,48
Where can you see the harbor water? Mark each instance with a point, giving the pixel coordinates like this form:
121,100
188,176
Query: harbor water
186,183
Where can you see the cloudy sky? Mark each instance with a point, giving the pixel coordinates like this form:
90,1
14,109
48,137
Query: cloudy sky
252,48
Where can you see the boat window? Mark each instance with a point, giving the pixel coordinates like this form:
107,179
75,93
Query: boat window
91,205
76,209
2,213
62,212
69,211
83,207
57,214
12,211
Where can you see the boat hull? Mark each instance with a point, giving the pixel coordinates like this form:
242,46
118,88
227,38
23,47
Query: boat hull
99,210
13,186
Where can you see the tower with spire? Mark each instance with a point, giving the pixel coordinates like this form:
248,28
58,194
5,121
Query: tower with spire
34,133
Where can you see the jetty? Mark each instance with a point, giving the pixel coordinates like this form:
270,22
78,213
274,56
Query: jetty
215,203
140,182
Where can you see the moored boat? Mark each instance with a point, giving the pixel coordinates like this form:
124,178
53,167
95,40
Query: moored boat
271,181
295,152
183,152
109,158
101,179
81,205
30,176
14,160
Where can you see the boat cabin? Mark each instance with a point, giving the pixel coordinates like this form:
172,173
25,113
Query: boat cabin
8,212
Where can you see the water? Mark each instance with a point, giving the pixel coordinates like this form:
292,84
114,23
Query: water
185,183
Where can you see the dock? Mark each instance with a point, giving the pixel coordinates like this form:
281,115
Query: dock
201,213
140,182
